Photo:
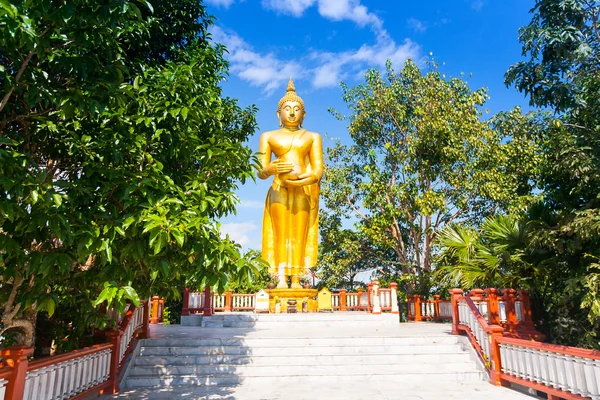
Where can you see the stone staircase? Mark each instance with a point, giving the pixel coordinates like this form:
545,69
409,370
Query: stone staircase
337,355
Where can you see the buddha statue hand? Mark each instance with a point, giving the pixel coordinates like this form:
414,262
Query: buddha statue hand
278,167
304,179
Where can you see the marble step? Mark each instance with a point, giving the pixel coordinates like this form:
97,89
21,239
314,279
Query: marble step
269,321
302,359
276,325
299,350
322,316
339,377
349,390
301,341
296,369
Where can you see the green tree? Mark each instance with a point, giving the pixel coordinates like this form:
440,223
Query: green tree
422,158
344,253
117,155
562,46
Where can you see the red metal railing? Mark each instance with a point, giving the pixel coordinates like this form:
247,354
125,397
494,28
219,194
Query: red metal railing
77,374
425,310
508,308
157,308
561,372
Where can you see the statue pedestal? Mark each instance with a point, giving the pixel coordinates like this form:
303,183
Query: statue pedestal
285,294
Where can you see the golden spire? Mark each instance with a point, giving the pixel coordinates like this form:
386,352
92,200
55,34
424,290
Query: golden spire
290,95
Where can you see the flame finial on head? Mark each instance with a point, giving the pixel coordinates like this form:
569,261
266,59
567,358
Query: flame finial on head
290,95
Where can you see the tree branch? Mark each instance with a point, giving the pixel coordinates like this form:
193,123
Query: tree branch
17,78
351,204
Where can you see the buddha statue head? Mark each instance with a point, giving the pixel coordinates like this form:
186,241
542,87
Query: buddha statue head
290,109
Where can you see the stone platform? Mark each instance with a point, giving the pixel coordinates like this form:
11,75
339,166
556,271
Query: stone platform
308,356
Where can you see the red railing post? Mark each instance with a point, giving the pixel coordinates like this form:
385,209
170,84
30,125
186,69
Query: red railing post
16,358
409,301
207,302
154,318
228,300
493,313
418,317
146,322
511,315
342,299
186,302
115,359
455,294
496,331
436,307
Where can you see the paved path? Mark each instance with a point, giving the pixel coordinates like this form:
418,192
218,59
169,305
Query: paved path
361,388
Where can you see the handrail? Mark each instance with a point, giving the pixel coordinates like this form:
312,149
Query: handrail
76,374
47,361
560,371
508,308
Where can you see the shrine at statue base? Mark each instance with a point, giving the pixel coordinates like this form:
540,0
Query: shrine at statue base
374,300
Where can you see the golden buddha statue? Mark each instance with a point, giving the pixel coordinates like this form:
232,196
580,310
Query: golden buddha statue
290,223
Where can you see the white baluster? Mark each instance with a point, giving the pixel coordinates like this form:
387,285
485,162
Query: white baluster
570,369
502,311
519,310
592,377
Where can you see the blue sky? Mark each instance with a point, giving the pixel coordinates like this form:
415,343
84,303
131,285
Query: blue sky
322,42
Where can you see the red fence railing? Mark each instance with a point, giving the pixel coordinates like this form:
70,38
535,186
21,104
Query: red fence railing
508,308
374,300
76,374
561,372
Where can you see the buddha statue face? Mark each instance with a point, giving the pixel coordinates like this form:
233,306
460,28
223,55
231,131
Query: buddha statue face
291,114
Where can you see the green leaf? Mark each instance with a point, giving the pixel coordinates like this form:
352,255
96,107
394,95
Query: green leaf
48,305
57,199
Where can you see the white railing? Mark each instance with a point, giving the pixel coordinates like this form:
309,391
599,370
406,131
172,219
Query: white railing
469,319
385,298
352,300
68,378
579,375
519,310
335,301
445,309
243,301
196,300
502,311
3,383
428,308
137,320
219,300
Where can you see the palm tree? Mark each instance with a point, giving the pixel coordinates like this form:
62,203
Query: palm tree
489,257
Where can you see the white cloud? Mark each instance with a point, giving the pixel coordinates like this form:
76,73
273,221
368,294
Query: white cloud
220,3
416,25
239,232
337,65
336,10
288,7
263,70
323,69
